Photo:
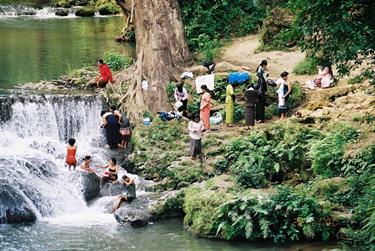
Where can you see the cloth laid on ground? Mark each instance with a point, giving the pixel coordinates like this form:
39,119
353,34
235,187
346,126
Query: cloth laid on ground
238,77
167,116
216,119
187,74
208,80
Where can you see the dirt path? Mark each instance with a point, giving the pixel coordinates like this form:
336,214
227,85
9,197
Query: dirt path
242,51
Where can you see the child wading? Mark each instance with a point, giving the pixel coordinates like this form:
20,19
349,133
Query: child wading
196,128
71,154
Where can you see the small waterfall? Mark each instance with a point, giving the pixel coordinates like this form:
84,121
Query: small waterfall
33,136
14,10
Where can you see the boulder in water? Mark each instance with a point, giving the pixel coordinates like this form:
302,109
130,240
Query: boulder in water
112,189
85,12
91,185
61,12
13,207
136,214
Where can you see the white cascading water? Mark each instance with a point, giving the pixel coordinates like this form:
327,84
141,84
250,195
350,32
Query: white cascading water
9,11
32,154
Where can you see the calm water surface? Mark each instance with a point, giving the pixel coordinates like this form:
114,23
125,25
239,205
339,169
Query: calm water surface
168,235
33,49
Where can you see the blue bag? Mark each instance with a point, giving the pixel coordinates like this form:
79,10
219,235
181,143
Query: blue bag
238,77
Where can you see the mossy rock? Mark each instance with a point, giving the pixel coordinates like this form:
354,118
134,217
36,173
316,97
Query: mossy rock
85,12
108,9
62,12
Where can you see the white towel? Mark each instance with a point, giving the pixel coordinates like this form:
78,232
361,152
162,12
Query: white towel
208,80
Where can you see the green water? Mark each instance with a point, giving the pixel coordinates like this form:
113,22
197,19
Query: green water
163,236
33,49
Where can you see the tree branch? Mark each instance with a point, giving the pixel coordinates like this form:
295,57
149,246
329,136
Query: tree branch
125,6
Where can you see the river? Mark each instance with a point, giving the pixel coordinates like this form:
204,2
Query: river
42,46
33,133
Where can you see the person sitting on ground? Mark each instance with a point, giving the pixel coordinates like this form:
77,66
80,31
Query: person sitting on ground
112,174
285,88
325,77
181,95
196,128
130,193
85,165
71,154
105,74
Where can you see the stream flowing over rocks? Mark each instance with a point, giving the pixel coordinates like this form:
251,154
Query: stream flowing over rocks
35,183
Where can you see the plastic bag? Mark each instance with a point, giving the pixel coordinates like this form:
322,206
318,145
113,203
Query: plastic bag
216,119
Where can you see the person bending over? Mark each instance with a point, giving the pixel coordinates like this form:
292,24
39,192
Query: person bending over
129,194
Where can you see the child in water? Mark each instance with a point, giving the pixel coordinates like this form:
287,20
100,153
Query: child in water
71,154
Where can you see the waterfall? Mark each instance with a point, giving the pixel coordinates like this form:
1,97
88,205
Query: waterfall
14,10
33,134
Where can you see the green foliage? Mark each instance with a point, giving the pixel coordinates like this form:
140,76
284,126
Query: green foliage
273,35
207,21
200,209
307,66
342,32
85,12
327,153
286,216
268,155
167,132
171,86
368,119
117,61
108,9
361,196
297,96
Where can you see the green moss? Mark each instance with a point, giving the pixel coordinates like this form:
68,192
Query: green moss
85,12
200,209
108,9
307,66
172,207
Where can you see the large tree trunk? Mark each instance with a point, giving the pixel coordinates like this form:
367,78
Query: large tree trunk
161,53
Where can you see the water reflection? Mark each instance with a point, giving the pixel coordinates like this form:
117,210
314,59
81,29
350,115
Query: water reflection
33,49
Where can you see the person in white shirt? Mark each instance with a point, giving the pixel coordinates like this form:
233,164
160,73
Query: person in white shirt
196,128
181,95
285,88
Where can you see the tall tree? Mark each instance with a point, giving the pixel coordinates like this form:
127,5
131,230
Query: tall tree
161,52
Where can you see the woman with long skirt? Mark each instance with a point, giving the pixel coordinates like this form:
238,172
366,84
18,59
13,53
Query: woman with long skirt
261,87
205,108
229,105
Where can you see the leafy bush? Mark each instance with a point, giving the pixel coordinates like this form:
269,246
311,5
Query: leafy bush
209,20
307,66
286,216
268,155
117,61
200,207
108,9
327,153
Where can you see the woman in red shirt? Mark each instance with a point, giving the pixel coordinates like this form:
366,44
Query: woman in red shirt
105,74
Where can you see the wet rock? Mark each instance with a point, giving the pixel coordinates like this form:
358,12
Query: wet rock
61,12
112,189
13,207
136,214
170,205
91,185
85,12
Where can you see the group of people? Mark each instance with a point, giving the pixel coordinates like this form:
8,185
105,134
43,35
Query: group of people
117,128
111,175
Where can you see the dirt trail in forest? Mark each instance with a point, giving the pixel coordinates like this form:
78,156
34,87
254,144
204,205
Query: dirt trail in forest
242,51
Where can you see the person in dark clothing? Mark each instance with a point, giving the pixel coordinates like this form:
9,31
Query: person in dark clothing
261,87
112,128
251,97
125,129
